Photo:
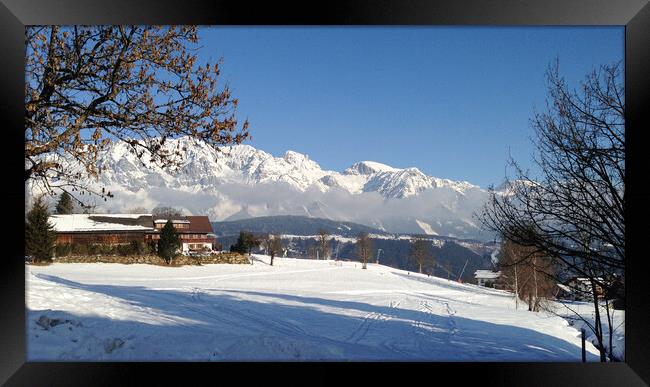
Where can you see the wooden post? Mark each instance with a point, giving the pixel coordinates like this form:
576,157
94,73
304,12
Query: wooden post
584,353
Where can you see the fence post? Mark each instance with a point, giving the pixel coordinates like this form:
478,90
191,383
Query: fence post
584,353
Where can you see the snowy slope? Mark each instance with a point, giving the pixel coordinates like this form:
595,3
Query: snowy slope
294,310
242,182
426,227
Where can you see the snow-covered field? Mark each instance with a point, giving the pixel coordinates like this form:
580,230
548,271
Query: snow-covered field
571,309
294,310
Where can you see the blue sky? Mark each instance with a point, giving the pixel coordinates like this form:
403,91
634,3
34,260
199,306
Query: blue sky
451,101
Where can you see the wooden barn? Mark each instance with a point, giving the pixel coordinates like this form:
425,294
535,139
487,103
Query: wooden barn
195,231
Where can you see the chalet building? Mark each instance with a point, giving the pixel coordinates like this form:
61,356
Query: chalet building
581,289
195,231
486,278
563,292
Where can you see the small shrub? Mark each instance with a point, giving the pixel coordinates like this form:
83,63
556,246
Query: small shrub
106,249
124,250
138,247
63,250
80,249
152,247
94,249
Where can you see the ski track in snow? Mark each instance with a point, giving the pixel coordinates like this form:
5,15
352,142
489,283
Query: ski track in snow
295,310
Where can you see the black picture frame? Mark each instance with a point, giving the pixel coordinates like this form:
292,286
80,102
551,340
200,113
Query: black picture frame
633,14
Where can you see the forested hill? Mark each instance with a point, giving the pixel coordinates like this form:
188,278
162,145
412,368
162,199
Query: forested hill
460,257
292,225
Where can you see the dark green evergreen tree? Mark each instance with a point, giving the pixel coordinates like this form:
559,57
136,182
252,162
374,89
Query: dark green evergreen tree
245,242
39,233
169,242
65,205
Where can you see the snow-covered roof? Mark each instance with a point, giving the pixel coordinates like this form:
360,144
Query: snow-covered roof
587,280
103,222
486,274
565,288
121,216
173,220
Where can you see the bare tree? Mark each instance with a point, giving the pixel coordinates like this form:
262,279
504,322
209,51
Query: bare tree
323,244
86,86
137,210
312,252
364,249
166,212
571,209
274,246
421,252
527,273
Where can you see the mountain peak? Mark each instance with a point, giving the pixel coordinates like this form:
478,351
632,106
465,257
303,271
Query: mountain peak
242,181
368,168
293,156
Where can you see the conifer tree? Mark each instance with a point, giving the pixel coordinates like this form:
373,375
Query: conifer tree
245,243
65,205
169,242
39,233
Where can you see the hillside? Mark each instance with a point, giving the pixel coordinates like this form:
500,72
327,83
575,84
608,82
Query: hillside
294,310
294,225
300,235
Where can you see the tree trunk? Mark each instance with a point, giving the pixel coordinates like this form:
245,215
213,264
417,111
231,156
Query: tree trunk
272,256
610,322
598,325
420,265
516,290
535,278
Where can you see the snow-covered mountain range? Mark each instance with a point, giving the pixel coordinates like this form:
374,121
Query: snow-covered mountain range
242,182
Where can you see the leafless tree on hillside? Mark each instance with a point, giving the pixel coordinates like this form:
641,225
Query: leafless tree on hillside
527,273
364,249
324,244
273,245
421,252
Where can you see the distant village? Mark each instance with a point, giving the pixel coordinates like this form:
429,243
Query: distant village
573,289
